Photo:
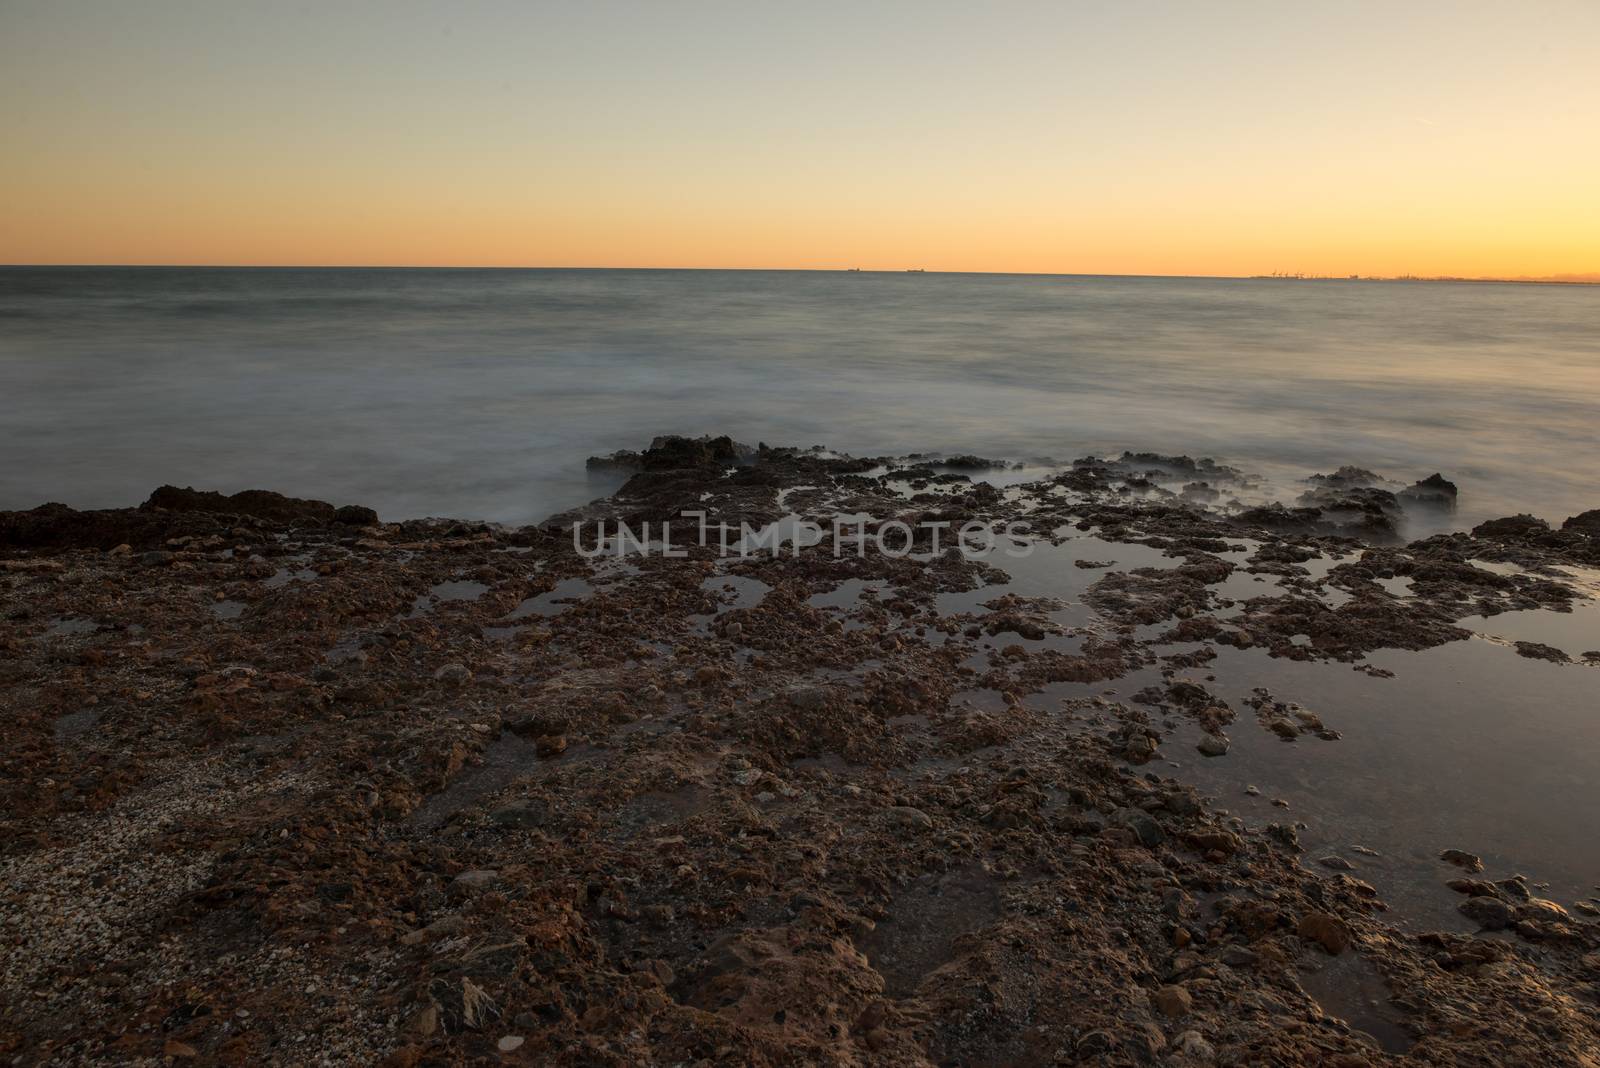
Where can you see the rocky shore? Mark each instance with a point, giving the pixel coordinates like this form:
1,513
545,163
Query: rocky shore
286,784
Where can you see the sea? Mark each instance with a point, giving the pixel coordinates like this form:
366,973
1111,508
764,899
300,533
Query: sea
478,394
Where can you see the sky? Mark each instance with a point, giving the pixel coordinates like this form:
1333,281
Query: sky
1428,138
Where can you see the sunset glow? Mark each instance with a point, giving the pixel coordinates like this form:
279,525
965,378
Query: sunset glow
1442,139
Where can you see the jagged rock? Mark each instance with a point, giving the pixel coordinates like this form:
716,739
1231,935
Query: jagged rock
1584,523
355,515
1519,525
671,452
1435,491
262,504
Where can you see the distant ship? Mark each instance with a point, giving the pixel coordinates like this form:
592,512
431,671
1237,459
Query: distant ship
916,270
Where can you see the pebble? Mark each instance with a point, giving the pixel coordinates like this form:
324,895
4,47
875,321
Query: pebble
509,1043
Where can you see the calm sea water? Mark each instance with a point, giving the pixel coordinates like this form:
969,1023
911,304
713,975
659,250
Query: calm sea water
478,393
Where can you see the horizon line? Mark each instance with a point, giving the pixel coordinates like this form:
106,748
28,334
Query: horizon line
1522,280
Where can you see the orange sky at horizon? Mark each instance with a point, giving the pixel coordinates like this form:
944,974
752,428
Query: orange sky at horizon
1446,139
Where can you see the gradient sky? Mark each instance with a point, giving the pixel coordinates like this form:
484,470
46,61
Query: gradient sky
1152,138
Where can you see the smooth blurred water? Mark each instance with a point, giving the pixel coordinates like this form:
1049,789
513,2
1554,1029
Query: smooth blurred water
478,393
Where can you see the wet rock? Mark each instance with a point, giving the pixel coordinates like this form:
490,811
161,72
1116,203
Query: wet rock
1239,957
968,462
1363,511
549,745
1462,859
1285,833
1489,913
1349,476
1283,729
1144,826
1337,863
1434,492
622,459
1326,930
1515,888
1225,843
261,504
355,515
1213,745
1236,636
1139,748
1541,910
1513,526
1584,523
671,452
1540,651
